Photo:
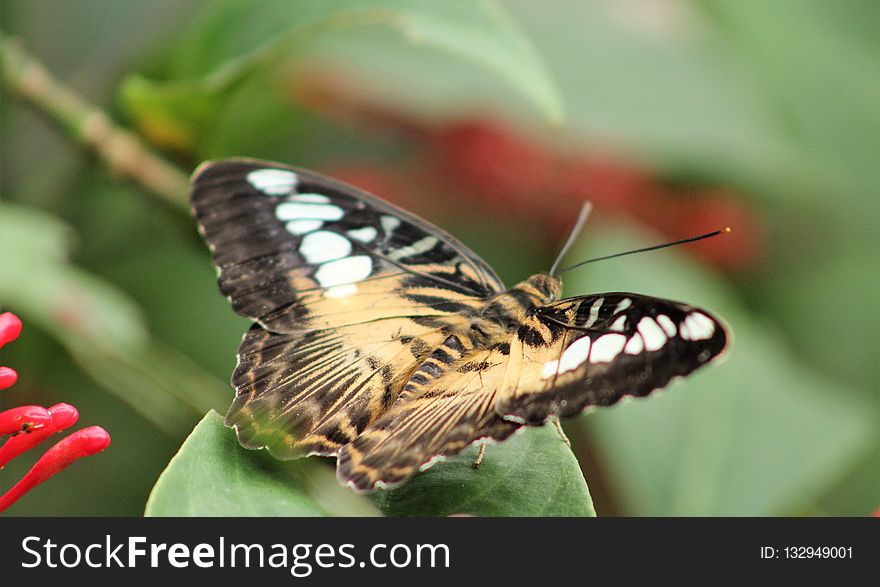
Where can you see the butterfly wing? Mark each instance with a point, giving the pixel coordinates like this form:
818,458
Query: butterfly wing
566,357
289,244
447,405
349,293
595,350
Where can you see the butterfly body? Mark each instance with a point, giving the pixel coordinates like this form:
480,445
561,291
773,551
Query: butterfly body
383,341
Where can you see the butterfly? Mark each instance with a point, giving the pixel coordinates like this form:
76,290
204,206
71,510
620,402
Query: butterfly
381,340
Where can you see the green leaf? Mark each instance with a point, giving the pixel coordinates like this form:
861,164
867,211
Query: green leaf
212,475
758,434
212,64
533,473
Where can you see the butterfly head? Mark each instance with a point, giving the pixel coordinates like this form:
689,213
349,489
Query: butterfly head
543,286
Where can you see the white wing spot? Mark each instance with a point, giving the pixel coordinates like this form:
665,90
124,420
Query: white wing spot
607,347
623,305
550,369
417,248
311,198
344,271
321,246
635,345
576,353
341,291
573,357
389,224
666,324
697,326
364,235
273,182
594,312
618,325
306,211
652,334
299,227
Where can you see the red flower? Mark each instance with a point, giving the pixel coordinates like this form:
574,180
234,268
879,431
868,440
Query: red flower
28,426
10,328
494,161
81,443
41,424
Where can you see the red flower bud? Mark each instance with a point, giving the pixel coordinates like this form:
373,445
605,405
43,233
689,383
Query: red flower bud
24,419
81,443
63,416
10,327
7,377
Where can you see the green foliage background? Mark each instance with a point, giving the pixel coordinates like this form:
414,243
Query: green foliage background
774,101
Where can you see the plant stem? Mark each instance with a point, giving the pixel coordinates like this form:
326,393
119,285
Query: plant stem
124,153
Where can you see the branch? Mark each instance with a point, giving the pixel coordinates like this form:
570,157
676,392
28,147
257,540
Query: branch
124,153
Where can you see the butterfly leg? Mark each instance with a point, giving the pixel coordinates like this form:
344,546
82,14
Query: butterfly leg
561,432
479,458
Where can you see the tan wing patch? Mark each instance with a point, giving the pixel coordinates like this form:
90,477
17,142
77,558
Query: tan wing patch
379,297
439,414
312,392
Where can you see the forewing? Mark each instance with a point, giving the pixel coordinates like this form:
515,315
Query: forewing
595,350
296,251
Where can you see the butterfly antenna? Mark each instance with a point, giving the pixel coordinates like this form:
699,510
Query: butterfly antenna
572,236
654,248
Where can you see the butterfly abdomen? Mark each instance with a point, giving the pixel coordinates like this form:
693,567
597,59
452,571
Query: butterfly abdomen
437,363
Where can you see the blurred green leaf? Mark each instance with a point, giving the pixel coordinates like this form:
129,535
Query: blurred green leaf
801,55
36,278
184,307
836,289
787,46
758,434
533,473
171,115
683,88
653,83
233,41
212,475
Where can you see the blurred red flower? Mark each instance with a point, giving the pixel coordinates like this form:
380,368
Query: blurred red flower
487,164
